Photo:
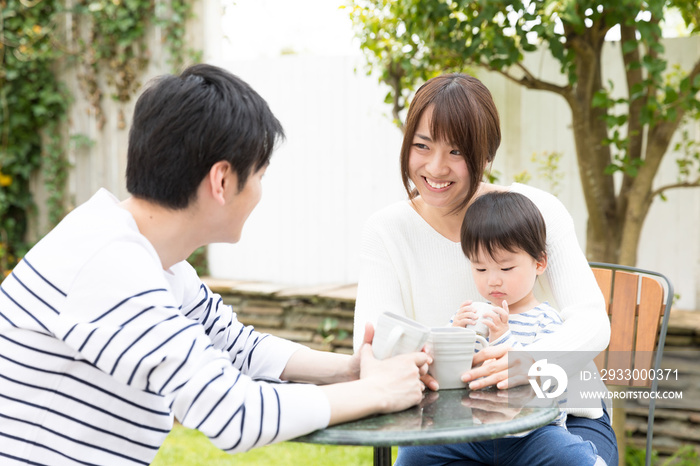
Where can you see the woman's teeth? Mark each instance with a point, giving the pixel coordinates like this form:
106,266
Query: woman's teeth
438,185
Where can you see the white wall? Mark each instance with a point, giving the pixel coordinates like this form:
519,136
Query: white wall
340,164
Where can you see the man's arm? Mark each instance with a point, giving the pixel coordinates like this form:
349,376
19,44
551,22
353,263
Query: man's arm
360,385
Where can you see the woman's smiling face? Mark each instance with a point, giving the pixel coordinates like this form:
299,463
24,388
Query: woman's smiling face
437,168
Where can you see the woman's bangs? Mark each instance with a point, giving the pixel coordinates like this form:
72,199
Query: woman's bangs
447,125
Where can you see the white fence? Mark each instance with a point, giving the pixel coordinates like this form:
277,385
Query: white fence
339,164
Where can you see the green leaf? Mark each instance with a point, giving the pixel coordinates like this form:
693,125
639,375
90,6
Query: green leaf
612,169
671,114
629,46
671,95
696,82
636,91
601,100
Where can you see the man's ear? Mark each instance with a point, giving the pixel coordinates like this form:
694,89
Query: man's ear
220,180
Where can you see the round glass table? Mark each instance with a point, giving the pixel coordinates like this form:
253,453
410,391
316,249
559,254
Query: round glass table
446,416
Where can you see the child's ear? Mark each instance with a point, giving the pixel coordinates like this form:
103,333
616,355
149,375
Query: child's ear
541,265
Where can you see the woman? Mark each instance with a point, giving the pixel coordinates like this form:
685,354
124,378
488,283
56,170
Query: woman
412,263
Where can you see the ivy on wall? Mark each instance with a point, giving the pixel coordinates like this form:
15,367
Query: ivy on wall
32,105
105,38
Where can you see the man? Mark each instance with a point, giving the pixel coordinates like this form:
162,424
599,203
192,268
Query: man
106,332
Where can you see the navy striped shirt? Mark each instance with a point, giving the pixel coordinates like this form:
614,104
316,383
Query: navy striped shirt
100,349
528,327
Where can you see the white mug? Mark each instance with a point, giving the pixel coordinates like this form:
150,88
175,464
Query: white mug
452,350
480,327
395,334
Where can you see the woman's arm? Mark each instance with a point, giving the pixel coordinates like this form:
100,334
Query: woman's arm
571,283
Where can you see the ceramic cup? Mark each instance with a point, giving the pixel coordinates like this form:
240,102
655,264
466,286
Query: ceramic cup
452,350
395,334
480,327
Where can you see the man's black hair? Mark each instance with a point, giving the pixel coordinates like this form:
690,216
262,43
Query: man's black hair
185,124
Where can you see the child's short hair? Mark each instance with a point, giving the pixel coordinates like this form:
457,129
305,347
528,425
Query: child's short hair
503,220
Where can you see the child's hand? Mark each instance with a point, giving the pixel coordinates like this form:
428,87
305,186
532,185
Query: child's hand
464,316
498,322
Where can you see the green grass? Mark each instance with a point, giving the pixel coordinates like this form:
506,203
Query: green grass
186,447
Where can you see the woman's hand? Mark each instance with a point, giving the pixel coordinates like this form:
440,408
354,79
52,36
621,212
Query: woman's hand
497,365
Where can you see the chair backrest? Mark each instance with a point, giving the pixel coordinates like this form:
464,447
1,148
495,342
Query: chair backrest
634,299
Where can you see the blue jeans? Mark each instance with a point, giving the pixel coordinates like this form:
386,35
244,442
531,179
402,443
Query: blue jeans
580,445
599,431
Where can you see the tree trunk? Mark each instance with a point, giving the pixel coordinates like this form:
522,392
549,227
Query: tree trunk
590,130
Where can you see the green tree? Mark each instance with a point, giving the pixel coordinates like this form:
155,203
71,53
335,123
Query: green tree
32,106
408,41
106,41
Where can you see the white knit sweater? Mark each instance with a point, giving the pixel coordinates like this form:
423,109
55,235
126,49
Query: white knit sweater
408,268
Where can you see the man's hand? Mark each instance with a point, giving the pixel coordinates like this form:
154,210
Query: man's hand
385,386
396,380
355,360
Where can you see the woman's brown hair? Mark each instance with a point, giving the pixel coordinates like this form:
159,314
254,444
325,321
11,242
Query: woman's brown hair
465,115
